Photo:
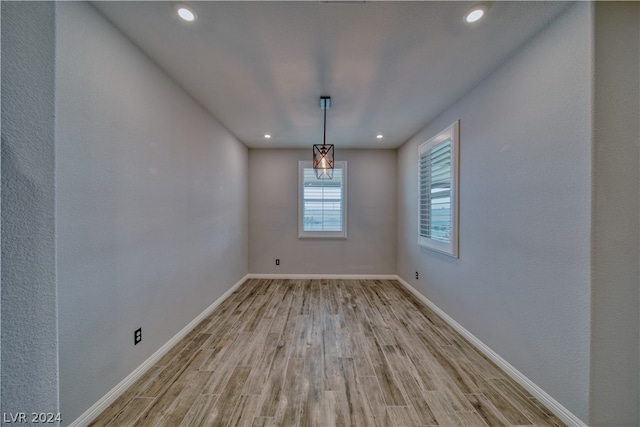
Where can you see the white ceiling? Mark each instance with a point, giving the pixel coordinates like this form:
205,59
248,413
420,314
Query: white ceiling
389,67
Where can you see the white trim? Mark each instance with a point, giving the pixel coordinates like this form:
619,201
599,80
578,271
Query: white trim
324,276
90,414
553,405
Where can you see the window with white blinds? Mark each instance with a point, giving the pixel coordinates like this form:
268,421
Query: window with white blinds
438,186
322,202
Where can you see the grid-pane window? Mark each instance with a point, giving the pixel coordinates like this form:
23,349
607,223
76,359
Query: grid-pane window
322,205
438,210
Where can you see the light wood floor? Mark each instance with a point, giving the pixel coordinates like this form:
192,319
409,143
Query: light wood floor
324,353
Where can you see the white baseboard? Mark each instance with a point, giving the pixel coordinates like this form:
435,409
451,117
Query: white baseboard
324,276
102,404
554,406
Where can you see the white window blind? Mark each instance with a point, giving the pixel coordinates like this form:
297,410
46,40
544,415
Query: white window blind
438,207
322,205
435,192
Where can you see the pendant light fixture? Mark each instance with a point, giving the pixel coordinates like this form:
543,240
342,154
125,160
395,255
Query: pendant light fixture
323,154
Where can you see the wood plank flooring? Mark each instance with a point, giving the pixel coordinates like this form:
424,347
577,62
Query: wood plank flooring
324,353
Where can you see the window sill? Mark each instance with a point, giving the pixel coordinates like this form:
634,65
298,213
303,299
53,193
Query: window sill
308,235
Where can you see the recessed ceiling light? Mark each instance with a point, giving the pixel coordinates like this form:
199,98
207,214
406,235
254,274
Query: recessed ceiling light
475,13
267,136
379,136
186,13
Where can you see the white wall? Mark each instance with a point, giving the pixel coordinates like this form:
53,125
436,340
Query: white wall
522,282
370,247
29,311
151,207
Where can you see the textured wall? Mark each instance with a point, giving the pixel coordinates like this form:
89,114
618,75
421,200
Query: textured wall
615,351
370,247
521,284
29,336
151,206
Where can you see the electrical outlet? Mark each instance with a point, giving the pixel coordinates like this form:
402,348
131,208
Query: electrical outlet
137,336
417,276
277,261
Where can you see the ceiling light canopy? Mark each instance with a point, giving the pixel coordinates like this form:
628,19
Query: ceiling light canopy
323,153
186,13
475,13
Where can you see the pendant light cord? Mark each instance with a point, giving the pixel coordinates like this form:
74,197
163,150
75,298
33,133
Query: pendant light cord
324,138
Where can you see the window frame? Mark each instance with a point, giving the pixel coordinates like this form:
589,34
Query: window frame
302,165
450,248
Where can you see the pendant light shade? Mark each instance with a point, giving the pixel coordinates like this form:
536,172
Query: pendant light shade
323,161
323,153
